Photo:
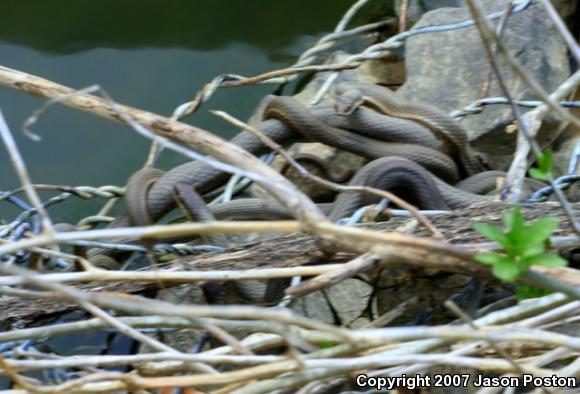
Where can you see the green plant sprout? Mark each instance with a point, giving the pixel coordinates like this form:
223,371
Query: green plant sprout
544,166
523,245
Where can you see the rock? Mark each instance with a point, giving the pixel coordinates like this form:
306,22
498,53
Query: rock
447,69
431,289
350,299
416,8
314,306
186,339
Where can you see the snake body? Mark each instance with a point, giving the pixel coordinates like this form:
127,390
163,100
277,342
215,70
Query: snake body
288,110
399,176
420,134
195,209
136,193
445,127
364,121
253,291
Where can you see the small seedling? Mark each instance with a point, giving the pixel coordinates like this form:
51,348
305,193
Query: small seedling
523,245
545,163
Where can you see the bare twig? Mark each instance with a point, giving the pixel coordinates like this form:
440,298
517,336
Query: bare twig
230,81
360,264
172,276
22,173
562,29
534,118
77,297
404,7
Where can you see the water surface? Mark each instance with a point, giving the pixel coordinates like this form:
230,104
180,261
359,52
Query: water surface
150,54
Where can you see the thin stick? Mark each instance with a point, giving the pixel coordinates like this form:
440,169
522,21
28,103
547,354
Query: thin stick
453,307
22,173
403,15
518,168
516,66
172,276
562,29
230,81
361,263
500,30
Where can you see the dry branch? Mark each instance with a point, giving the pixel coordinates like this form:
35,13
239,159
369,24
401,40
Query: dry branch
193,136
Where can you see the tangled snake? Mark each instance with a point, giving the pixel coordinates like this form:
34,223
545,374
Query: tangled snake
204,178
353,95
420,173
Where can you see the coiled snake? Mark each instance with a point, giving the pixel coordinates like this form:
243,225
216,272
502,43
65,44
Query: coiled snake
430,150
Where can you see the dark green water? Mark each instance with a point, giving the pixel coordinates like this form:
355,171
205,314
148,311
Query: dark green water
151,54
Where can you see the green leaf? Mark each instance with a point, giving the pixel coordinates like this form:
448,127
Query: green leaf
516,233
546,160
540,230
523,245
507,271
538,174
544,163
546,259
493,233
490,258
514,221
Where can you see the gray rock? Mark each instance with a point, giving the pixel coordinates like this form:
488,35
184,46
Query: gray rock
182,340
448,69
350,299
416,8
314,306
345,301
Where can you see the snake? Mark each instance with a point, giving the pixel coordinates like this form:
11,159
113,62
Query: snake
399,176
136,192
135,197
252,291
191,203
352,95
402,177
204,178
299,118
364,131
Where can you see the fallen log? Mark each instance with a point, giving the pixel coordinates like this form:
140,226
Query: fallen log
298,250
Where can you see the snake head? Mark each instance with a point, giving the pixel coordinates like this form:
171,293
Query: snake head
347,100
